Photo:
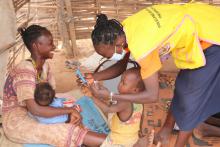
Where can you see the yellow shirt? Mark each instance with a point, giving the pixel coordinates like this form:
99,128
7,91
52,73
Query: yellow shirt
172,29
126,132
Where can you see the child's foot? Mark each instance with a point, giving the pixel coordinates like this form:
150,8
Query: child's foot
146,141
162,137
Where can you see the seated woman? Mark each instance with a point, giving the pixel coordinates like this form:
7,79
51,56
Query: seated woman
18,99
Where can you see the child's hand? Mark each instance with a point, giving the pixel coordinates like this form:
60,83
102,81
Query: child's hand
99,91
75,117
89,78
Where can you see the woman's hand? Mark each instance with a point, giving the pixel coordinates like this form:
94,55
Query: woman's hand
99,91
88,77
75,117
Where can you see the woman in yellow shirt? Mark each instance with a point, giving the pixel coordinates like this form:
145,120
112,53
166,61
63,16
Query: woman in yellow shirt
187,32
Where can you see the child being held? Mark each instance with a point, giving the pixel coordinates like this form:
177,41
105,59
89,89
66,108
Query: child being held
44,95
125,122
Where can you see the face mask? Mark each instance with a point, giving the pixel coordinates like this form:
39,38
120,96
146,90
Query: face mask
116,56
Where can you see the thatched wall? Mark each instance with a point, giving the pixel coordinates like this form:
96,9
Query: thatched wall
70,20
84,12
81,15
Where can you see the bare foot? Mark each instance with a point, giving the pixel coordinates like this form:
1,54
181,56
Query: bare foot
163,137
146,141
206,130
142,142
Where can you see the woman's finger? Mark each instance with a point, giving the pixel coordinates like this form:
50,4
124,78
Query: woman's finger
94,87
79,81
78,123
75,119
88,75
158,144
151,137
97,85
89,78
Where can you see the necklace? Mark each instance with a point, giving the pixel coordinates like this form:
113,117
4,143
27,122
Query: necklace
38,76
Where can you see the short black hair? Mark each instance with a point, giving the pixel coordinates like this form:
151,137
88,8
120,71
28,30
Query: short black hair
31,34
106,31
44,93
140,82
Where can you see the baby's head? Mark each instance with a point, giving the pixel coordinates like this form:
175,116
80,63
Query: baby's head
44,94
131,81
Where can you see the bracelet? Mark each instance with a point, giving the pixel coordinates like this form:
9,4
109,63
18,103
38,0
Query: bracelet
111,98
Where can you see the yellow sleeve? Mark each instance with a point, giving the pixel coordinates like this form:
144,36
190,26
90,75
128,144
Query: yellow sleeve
150,64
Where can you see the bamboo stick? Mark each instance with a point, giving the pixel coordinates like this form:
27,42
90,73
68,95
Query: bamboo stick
71,27
63,28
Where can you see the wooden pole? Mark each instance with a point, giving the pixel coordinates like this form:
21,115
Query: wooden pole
64,35
71,26
98,7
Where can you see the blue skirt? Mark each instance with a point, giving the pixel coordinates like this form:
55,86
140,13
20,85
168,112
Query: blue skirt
197,92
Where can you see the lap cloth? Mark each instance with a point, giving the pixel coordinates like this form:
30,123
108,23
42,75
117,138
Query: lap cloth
92,118
21,128
197,91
